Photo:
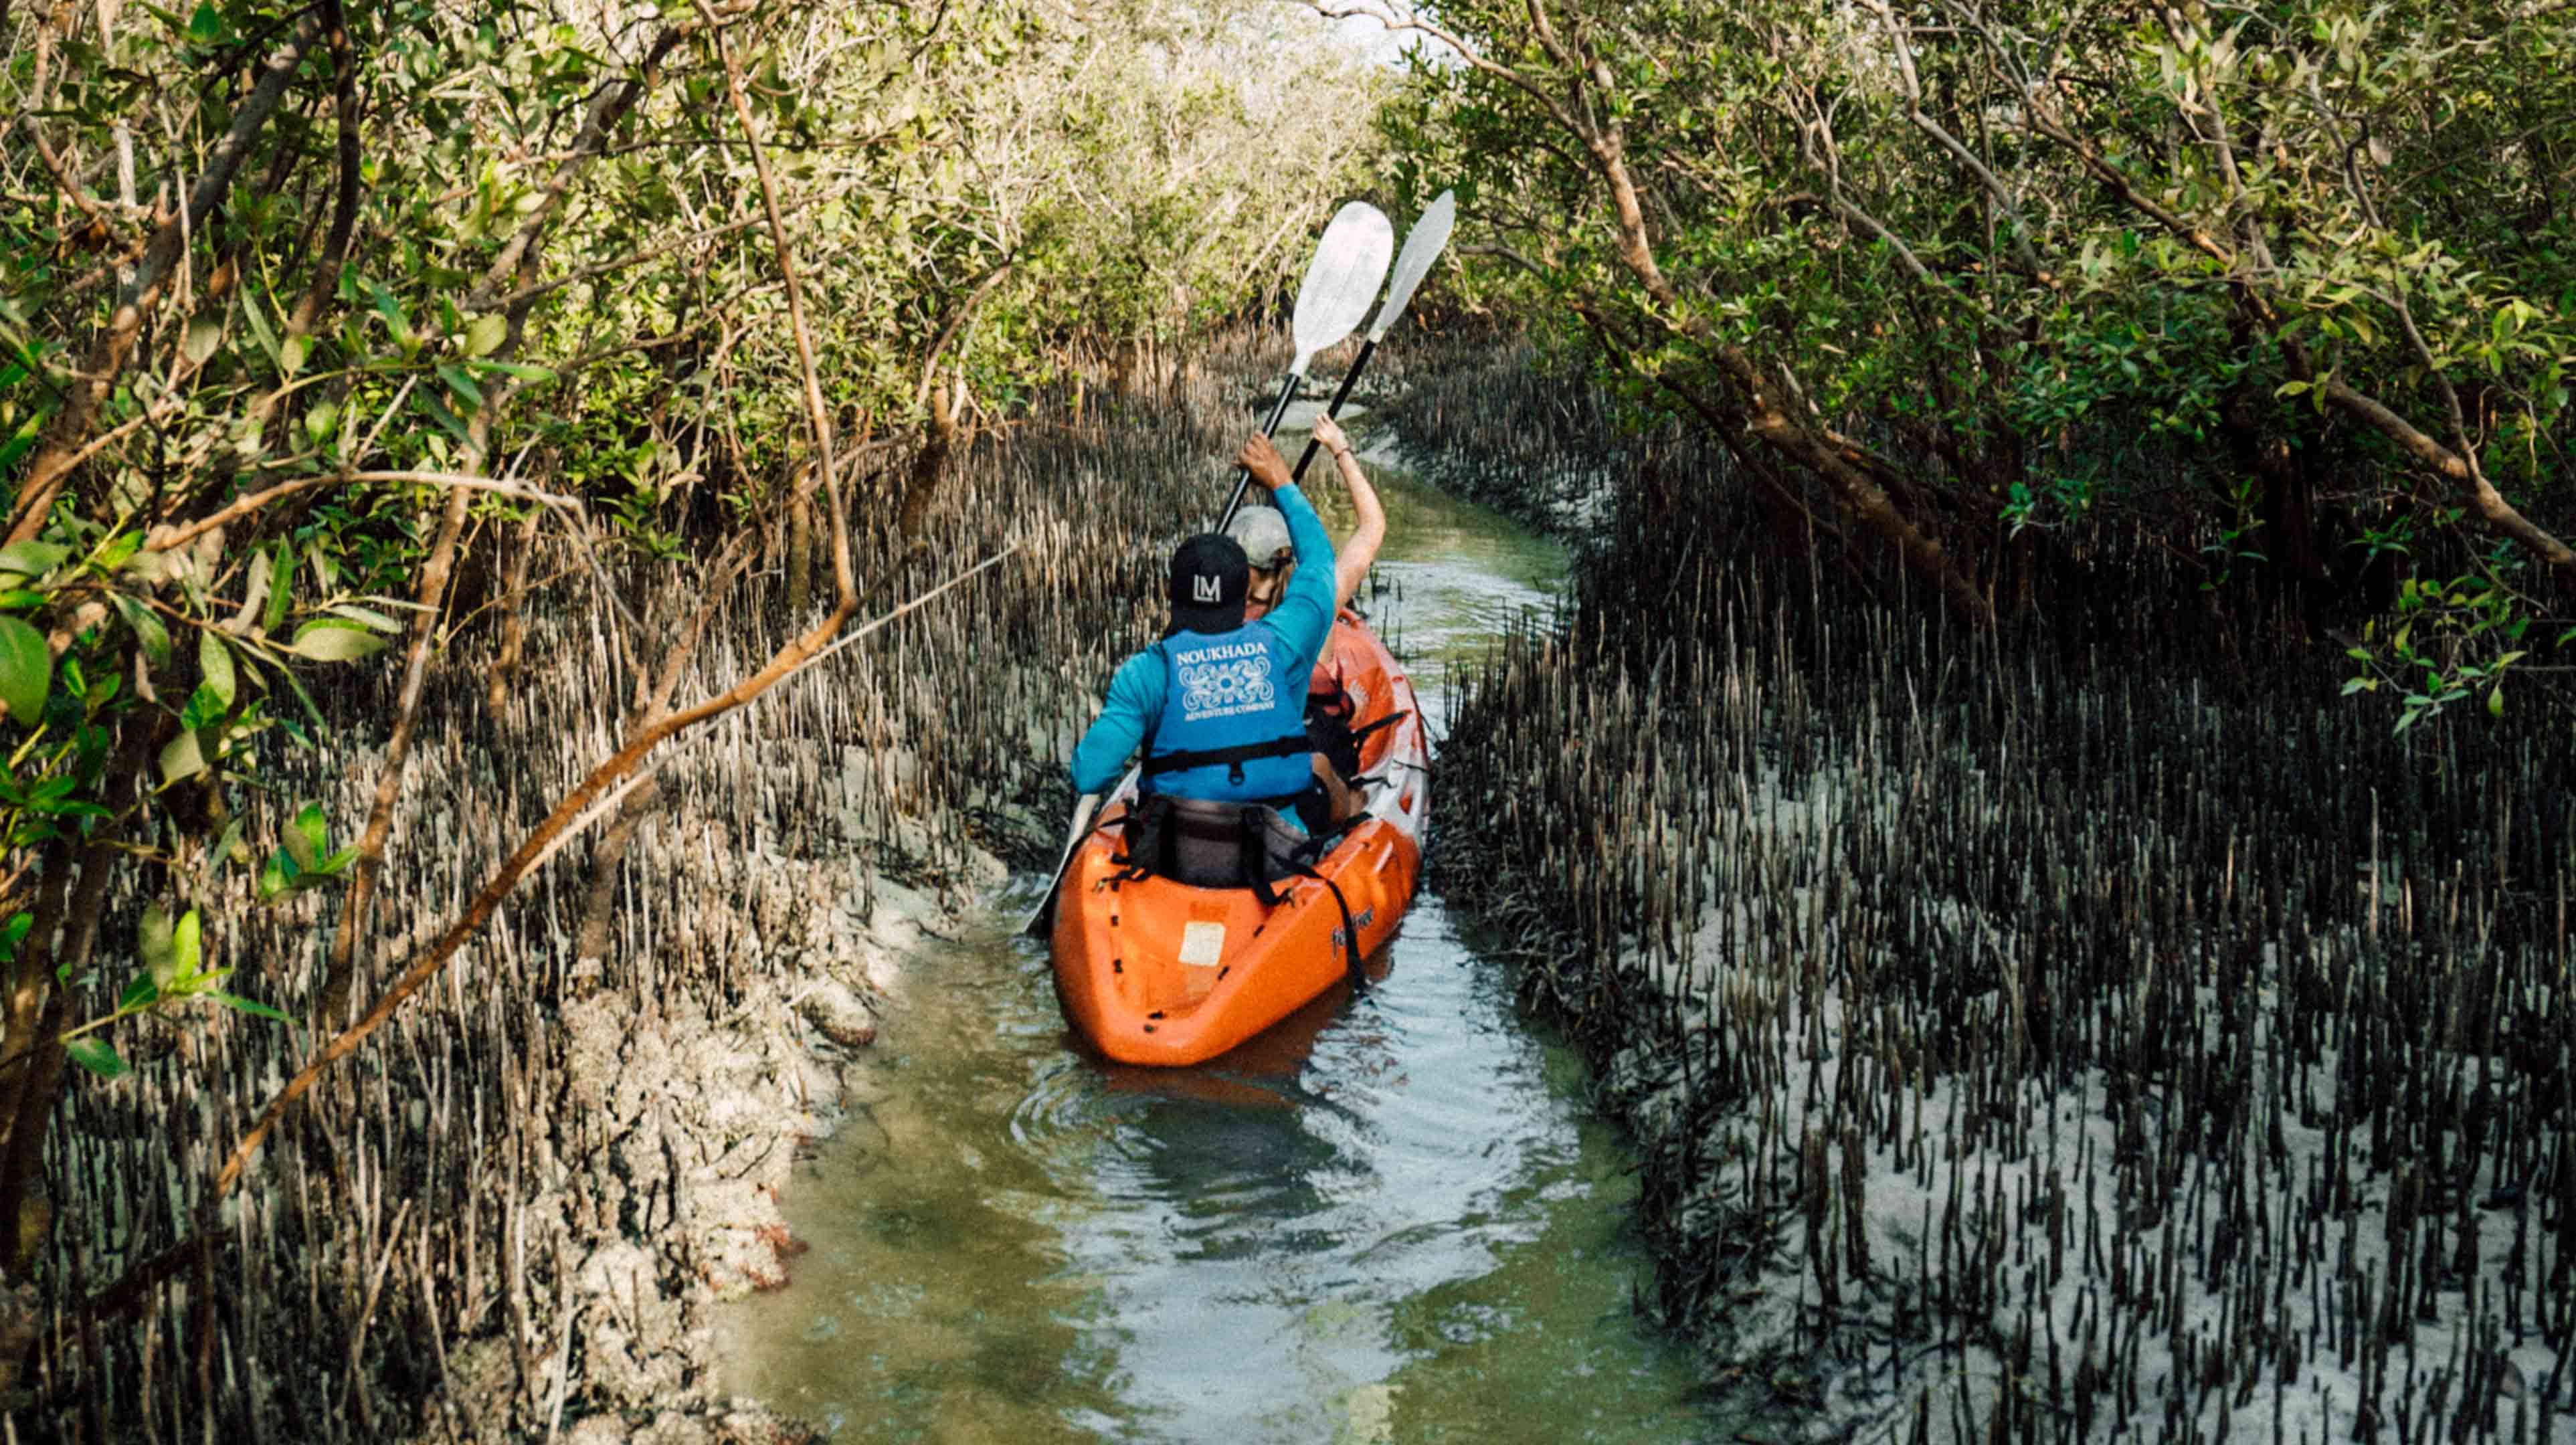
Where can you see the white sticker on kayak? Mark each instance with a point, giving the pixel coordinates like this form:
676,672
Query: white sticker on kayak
1203,944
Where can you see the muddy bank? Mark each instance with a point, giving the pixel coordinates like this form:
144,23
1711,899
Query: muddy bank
506,1218
510,1216
2066,1043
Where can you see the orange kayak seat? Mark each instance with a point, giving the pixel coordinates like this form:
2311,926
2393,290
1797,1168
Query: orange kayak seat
1206,843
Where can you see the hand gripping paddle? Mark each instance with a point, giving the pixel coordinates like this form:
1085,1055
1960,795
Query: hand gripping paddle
1340,282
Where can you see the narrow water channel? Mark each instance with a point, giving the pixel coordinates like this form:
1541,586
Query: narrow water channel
1389,1219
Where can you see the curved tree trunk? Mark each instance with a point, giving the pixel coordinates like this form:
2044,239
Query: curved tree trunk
800,557
1854,491
929,464
514,614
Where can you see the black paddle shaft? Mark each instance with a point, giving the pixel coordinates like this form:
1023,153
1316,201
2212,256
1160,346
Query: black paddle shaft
1341,393
1243,475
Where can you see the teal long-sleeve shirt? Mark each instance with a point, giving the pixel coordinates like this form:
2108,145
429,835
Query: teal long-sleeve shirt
1303,619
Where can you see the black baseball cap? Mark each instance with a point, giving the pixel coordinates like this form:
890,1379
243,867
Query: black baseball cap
1209,577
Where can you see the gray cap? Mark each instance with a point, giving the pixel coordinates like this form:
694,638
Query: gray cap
1263,534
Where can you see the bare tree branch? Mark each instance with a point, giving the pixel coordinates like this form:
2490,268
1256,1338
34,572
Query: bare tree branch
164,538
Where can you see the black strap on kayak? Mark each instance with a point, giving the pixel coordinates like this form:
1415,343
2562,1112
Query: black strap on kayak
1271,898
1301,863
1232,758
1146,837
1333,702
1140,836
1339,744
1360,734
1147,840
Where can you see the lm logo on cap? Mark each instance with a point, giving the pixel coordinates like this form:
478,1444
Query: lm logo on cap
1207,589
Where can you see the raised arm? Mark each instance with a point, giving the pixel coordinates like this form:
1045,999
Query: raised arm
1304,616
1358,551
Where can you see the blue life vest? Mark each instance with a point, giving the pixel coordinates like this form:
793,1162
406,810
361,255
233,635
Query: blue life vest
1233,726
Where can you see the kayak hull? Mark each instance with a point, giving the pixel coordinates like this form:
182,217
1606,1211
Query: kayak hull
1153,971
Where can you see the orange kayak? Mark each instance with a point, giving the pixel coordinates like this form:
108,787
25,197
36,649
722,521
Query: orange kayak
1155,971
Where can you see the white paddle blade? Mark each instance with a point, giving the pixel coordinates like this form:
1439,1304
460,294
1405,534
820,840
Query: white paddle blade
1422,246
1342,279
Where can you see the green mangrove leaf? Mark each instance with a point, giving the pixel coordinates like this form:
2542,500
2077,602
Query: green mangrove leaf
185,952
205,709
148,631
182,757
249,1006
155,939
215,660
281,585
32,558
205,335
96,1055
330,640
364,616
308,835
26,670
227,843
486,334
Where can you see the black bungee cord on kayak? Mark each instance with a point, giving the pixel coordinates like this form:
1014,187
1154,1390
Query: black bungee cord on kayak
1303,868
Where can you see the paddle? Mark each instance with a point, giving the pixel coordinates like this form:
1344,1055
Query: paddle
1422,246
1340,281
1038,922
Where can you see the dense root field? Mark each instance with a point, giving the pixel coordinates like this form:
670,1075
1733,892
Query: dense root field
509,1215
2088,1035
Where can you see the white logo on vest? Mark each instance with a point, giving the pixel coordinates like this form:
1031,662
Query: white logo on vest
1224,680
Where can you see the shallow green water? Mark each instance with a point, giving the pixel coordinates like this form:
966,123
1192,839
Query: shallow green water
1390,1219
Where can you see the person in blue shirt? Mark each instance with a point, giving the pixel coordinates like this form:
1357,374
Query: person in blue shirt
1264,535
1219,704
